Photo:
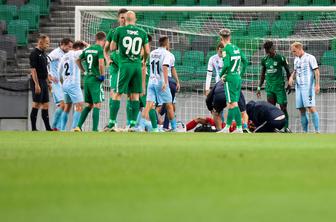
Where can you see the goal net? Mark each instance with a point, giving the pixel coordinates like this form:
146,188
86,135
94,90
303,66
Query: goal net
193,33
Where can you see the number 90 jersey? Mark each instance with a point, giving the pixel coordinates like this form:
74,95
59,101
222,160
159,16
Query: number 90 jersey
158,58
130,39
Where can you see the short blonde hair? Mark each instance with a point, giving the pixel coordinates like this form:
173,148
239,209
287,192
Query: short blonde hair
297,45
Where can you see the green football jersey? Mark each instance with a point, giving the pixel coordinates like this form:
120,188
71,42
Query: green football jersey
90,57
274,69
114,56
130,39
234,61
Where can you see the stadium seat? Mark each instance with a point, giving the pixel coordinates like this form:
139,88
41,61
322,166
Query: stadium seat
299,2
276,2
8,44
312,15
238,28
209,54
185,72
44,6
140,2
232,2
258,28
193,58
329,58
168,24
326,73
178,57
164,2
20,29
153,16
333,44
202,43
31,13
186,2
2,26
253,2
209,2
322,2
282,28
177,16
8,12
17,3
3,61
292,16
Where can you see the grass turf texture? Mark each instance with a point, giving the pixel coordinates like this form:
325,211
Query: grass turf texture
166,177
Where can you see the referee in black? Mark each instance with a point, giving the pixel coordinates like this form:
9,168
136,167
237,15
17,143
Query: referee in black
39,82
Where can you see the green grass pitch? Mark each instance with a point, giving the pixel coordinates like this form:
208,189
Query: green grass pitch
167,177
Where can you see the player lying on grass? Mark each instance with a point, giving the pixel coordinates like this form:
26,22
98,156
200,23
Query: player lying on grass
265,116
94,63
272,69
70,74
207,122
158,91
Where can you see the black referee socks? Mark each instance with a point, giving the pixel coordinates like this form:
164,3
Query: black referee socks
33,116
45,117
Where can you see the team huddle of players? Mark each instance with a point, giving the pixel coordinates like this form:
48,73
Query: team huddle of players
145,76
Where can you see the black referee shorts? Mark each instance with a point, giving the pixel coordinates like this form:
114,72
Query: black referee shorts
43,97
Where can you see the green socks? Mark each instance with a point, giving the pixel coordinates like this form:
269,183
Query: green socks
133,112
95,118
83,116
153,118
236,115
114,108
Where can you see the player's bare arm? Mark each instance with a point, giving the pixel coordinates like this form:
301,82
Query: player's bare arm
80,66
106,52
175,76
113,46
261,81
317,80
34,77
102,67
291,79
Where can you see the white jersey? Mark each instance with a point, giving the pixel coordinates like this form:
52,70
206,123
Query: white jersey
304,67
54,58
68,68
158,58
215,64
171,64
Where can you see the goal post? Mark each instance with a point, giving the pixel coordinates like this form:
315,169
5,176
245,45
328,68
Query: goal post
193,33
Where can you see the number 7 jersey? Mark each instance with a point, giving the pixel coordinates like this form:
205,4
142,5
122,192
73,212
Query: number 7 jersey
130,39
234,61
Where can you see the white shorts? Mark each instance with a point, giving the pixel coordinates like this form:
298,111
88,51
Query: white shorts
73,94
305,96
57,92
156,95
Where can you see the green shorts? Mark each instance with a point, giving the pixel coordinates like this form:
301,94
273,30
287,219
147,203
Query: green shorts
93,92
129,78
113,76
232,86
277,93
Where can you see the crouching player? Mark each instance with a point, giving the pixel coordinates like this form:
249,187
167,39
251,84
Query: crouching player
70,73
265,116
158,91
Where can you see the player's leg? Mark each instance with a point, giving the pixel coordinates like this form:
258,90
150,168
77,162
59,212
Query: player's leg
45,104
149,111
78,107
165,97
242,108
281,99
121,88
97,93
310,103
135,89
76,96
57,93
67,108
300,106
36,105
88,100
114,101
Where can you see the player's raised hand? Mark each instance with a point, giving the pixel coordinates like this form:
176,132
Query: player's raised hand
317,89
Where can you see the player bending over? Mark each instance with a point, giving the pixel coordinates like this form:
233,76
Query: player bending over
70,73
94,63
307,77
272,68
129,40
234,64
265,116
158,90
56,86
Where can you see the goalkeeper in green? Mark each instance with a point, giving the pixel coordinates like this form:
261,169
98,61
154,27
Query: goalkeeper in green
234,64
272,69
